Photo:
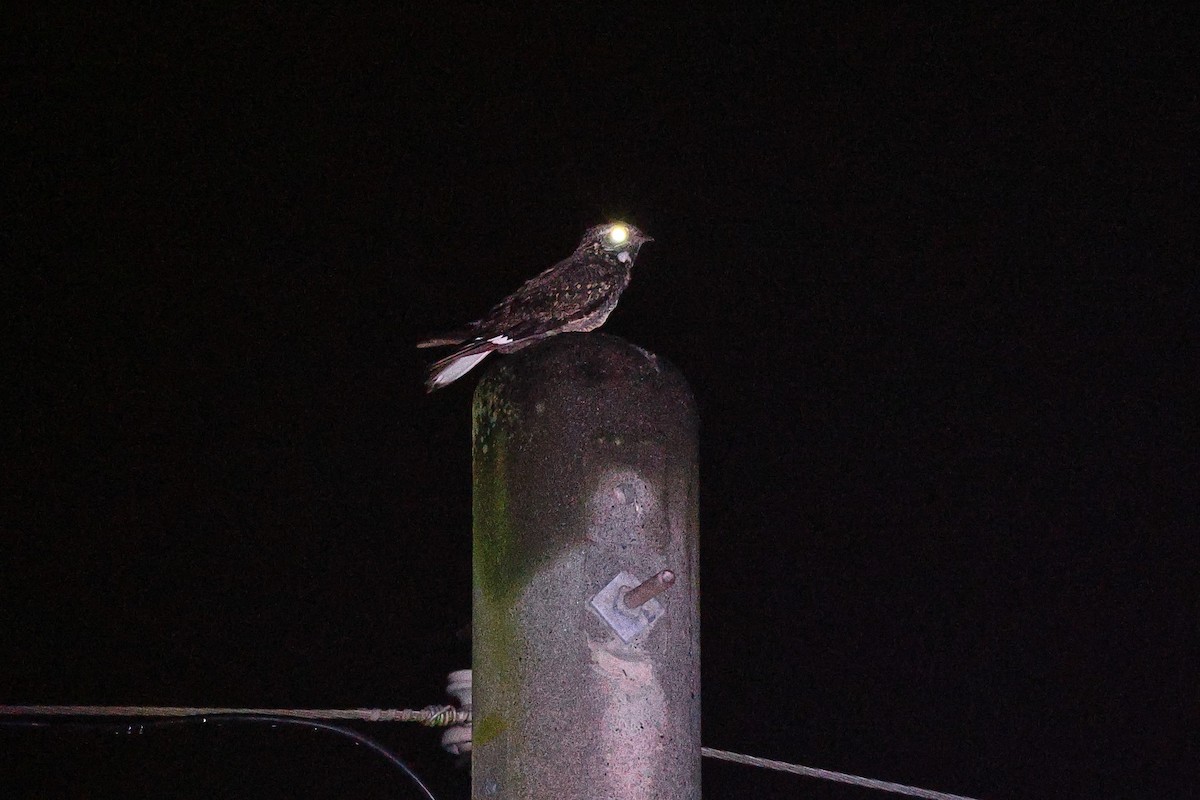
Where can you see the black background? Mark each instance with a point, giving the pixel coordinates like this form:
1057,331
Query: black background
929,277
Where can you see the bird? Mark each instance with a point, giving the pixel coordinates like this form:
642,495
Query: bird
575,295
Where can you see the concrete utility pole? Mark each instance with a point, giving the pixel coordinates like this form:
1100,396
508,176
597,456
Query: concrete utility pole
586,603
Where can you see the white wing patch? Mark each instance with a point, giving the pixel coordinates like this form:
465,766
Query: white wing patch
501,339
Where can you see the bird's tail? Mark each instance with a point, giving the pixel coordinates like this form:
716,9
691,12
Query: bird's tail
459,363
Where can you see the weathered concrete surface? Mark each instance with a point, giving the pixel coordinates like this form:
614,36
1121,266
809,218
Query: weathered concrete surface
585,461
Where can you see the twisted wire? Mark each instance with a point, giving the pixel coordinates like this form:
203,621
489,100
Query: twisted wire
829,775
432,716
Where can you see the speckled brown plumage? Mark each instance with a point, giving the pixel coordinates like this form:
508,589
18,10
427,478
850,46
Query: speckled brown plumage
575,295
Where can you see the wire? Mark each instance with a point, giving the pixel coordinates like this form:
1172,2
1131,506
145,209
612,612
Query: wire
432,716
269,719
829,775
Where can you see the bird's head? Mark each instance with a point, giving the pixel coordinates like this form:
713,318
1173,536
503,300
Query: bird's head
615,238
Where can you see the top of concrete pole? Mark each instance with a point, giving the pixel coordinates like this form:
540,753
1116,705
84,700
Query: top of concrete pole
593,364
579,401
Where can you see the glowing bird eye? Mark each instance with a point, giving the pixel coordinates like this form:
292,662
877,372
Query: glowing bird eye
618,234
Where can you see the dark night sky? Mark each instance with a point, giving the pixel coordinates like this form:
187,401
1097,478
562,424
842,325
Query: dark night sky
928,277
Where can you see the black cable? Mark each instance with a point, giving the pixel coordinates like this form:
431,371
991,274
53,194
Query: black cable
270,719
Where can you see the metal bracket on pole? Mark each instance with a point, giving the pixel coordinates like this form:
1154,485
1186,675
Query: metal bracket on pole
628,605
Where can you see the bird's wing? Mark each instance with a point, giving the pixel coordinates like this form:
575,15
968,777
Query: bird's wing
509,316
446,339
548,302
